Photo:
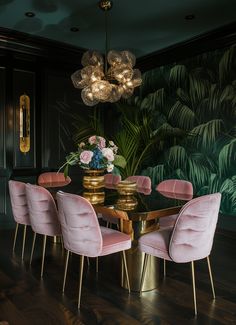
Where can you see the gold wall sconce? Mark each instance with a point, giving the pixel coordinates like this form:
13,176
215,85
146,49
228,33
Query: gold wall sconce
24,123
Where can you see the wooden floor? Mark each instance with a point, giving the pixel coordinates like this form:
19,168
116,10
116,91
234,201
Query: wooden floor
25,299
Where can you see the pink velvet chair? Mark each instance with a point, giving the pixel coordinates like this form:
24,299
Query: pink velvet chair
111,180
144,183
20,211
189,240
82,234
43,216
53,179
174,188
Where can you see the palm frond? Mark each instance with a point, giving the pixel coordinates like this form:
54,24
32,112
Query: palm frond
183,114
227,158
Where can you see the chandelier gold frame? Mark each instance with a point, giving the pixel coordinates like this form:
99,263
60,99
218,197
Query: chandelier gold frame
102,83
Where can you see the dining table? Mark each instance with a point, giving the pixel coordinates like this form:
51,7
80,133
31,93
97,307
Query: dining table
135,214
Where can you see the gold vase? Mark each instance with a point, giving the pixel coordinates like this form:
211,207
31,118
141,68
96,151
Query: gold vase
126,202
93,183
126,187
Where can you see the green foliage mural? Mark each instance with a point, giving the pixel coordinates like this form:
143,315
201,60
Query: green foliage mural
183,125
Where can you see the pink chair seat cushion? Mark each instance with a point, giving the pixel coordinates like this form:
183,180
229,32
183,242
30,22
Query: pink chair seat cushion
114,241
156,243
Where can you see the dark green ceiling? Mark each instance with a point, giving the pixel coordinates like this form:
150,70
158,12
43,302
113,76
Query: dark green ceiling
142,27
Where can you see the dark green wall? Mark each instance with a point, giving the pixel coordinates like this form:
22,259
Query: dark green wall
190,108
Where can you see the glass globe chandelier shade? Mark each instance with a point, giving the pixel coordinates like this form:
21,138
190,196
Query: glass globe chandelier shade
102,83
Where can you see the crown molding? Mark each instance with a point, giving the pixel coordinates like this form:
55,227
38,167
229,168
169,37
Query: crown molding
217,38
23,44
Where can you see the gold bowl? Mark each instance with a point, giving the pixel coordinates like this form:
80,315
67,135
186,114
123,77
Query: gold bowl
126,187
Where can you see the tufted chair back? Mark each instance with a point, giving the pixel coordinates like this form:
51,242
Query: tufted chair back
111,180
143,182
53,177
80,228
175,186
18,199
190,238
42,210
17,191
193,233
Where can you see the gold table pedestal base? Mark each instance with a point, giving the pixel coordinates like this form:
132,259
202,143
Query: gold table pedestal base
135,260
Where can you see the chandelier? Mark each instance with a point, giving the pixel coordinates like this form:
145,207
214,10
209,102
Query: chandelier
106,79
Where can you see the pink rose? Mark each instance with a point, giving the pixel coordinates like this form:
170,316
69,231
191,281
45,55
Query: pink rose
92,139
102,143
86,156
108,153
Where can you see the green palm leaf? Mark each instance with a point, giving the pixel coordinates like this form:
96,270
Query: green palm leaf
183,114
227,158
226,65
205,135
178,76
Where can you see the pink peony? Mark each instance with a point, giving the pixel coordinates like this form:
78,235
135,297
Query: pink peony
102,143
92,139
86,156
108,153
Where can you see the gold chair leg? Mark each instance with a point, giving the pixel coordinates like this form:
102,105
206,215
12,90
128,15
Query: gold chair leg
88,261
65,271
126,270
96,264
15,236
164,268
194,288
44,248
62,243
211,278
143,272
23,244
32,249
80,278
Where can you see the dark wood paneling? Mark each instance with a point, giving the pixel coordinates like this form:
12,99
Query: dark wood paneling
24,82
3,195
32,48
2,118
60,106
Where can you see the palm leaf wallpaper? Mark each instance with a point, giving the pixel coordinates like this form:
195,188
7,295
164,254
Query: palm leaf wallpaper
184,125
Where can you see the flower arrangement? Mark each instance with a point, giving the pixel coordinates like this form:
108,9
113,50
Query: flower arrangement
95,154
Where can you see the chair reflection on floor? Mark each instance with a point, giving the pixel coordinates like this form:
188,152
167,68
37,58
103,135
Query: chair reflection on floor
20,211
82,234
43,216
189,240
